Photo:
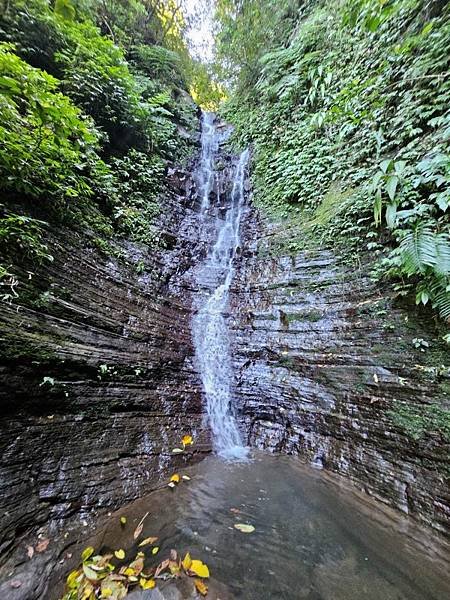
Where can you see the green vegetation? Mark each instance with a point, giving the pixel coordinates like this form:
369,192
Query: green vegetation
418,421
346,105
94,103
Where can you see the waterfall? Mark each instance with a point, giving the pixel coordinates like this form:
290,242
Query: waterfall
214,277
210,145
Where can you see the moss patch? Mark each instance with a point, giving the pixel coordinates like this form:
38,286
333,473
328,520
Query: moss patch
418,421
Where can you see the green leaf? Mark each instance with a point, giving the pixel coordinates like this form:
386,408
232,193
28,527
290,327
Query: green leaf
244,527
391,215
384,166
422,297
391,186
399,167
87,553
377,206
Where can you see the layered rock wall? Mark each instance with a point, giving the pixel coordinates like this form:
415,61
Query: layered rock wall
97,379
325,364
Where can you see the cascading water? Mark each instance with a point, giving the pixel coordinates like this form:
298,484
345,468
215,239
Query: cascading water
214,277
210,144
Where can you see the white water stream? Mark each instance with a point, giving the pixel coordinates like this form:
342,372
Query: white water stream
214,277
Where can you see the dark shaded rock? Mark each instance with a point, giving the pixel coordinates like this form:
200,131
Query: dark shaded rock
97,386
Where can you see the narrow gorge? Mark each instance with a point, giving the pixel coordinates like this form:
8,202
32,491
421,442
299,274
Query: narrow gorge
188,369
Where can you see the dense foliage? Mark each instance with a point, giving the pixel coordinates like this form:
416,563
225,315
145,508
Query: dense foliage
93,104
346,104
47,143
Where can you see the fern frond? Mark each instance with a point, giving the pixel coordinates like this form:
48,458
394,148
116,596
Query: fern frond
422,248
440,294
442,245
417,250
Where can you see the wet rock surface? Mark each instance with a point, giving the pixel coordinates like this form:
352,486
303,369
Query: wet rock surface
99,383
324,360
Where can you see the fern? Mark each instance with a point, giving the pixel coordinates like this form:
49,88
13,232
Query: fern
440,296
422,248
442,246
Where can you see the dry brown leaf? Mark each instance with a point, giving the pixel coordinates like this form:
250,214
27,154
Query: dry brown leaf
30,551
136,566
104,560
140,526
42,546
149,540
161,567
173,554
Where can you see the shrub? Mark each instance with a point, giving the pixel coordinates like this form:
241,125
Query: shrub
49,148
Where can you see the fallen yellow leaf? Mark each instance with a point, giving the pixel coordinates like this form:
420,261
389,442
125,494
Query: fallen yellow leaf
199,568
147,584
120,554
87,553
123,520
155,550
187,562
88,592
174,567
201,587
72,579
128,572
187,440
244,527
106,593
149,540
175,478
177,451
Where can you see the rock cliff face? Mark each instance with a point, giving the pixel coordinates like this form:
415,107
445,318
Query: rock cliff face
98,381
326,364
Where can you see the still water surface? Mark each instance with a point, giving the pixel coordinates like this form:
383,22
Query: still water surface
312,540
